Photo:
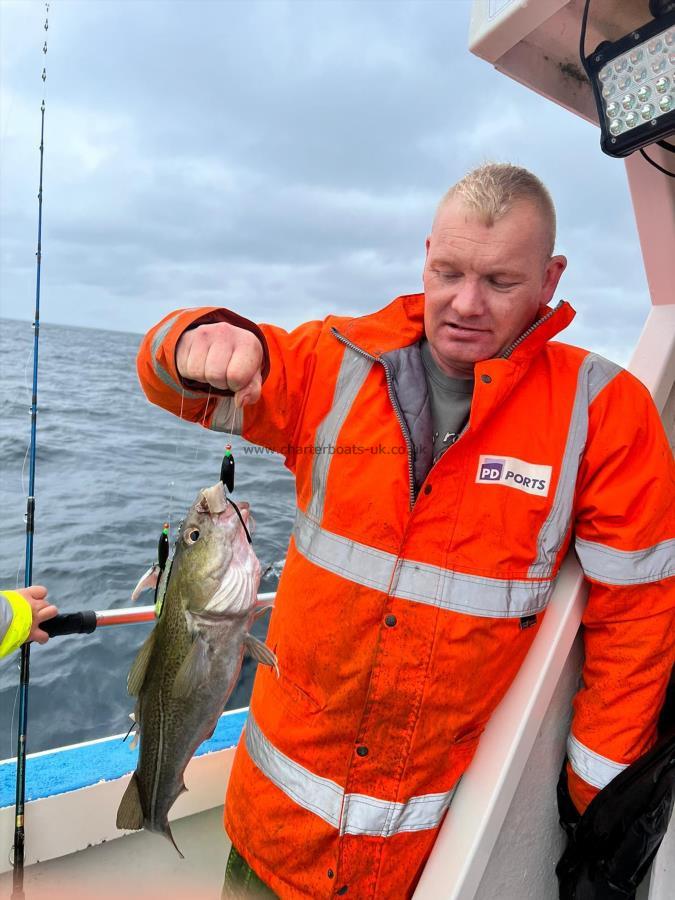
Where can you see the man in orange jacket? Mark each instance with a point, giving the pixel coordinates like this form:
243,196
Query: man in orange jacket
447,453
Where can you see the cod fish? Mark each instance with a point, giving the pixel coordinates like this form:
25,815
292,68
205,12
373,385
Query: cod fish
188,666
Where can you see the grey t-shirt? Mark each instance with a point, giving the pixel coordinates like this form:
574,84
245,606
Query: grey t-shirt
450,401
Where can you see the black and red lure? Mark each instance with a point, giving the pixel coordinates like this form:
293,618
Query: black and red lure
227,468
163,547
227,477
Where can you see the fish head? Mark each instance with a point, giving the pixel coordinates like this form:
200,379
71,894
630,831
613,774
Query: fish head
218,569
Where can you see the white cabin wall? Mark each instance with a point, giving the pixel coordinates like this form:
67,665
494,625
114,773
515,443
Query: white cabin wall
522,864
669,417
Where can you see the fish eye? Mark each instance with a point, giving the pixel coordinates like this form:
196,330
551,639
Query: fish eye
192,536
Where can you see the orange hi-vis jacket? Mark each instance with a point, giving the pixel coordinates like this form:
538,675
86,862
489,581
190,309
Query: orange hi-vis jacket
410,598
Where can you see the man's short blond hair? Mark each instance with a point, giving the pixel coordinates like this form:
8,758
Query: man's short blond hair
492,189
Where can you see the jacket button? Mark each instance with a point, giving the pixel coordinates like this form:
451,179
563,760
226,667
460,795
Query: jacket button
390,621
343,889
427,488
331,873
361,751
485,379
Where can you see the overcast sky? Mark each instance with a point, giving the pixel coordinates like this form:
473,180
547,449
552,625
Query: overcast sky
281,157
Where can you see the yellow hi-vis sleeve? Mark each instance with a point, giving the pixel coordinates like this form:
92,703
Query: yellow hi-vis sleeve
16,617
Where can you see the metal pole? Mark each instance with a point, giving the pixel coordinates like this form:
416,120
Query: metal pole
86,621
145,613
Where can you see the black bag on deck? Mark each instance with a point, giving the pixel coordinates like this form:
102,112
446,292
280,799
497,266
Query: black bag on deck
610,848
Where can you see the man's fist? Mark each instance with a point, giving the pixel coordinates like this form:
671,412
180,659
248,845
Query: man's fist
223,356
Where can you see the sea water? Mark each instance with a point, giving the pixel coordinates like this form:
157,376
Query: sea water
111,469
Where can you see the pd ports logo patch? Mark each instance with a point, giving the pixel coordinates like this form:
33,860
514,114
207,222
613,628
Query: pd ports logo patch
491,469
515,473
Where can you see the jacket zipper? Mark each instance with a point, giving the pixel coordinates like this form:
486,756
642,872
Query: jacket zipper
528,331
505,354
395,405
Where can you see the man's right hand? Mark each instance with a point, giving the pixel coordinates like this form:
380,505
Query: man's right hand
223,356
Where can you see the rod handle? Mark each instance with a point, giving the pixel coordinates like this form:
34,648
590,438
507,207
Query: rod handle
71,623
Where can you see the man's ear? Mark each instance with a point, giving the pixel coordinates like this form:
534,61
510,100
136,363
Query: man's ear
552,275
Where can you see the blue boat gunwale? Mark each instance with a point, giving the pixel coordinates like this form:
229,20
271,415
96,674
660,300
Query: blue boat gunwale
76,766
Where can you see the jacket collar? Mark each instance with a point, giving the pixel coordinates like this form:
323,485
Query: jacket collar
401,323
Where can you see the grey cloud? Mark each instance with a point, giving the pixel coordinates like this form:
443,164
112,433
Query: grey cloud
282,157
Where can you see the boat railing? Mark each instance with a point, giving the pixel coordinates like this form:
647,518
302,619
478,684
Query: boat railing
82,784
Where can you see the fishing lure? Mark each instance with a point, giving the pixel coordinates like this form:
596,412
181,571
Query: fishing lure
227,477
163,547
227,469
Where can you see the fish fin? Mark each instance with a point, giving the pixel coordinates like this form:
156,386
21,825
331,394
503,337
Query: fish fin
130,813
167,834
261,652
207,737
147,581
193,670
139,668
261,609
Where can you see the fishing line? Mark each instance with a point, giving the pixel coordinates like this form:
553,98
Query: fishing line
11,722
206,409
22,477
24,493
234,416
227,467
172,483
29,360
24,490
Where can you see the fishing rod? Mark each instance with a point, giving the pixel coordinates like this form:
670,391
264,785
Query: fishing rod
19,832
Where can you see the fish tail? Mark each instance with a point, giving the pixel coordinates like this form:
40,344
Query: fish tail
130,813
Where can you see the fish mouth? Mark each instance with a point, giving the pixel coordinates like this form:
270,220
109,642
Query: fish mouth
244,510
215,502
213,499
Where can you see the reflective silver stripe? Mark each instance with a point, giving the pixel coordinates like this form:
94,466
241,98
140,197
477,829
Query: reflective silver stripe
367,815
612,566
160,371
421,582
594,769
319,795
595,373
348,813
354,370
223,418
6,616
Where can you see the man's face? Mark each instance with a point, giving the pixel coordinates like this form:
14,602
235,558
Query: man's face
484,284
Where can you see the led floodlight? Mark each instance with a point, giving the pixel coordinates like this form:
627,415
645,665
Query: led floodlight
633,83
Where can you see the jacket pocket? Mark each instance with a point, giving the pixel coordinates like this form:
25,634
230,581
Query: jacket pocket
296,699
